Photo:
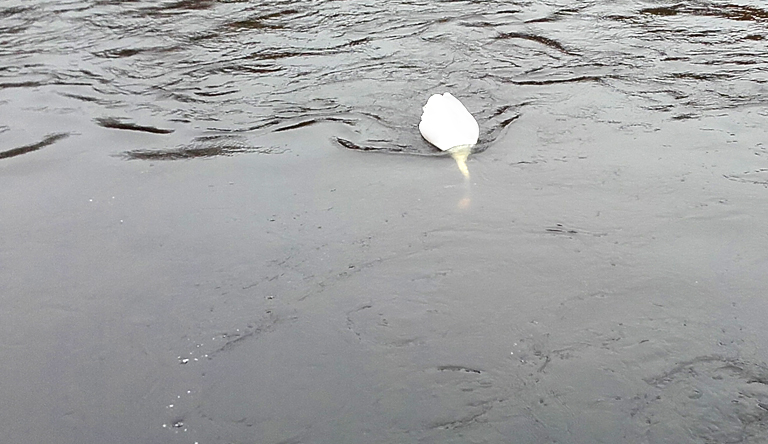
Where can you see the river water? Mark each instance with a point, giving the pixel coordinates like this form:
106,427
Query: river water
221,225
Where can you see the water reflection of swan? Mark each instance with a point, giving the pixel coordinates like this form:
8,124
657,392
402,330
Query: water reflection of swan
448,125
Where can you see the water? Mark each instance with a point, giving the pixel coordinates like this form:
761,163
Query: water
196,249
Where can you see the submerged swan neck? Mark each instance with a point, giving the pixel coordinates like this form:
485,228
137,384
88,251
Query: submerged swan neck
461,148
460,153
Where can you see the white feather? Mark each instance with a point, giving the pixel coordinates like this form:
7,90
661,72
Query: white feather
447,124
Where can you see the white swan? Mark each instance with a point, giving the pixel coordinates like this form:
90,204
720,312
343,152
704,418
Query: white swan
448,125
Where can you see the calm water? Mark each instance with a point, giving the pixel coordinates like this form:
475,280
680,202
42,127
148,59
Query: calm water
195,249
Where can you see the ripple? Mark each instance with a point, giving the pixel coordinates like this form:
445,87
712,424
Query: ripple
47,141
114,123
203,147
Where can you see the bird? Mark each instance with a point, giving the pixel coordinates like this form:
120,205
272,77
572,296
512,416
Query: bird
446,124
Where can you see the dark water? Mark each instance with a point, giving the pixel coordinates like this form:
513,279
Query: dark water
195,250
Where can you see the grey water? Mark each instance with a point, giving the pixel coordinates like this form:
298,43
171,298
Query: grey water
219,222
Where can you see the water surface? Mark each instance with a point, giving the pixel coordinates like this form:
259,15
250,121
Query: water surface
206,239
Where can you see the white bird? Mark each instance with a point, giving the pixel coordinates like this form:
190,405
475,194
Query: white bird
448,125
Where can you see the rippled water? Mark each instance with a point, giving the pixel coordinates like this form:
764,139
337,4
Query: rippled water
224,72
602,281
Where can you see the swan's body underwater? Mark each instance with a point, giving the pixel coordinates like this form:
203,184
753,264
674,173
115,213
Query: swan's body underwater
448,125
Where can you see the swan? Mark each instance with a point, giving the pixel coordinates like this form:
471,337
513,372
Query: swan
446,124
